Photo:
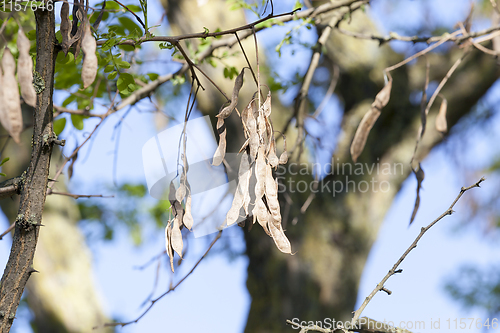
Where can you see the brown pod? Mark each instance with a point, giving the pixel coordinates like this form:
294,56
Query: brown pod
65,28
4,118
89,67
11,96
25,69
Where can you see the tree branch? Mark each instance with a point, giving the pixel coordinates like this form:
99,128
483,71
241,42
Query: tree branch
228,42
77,196
10,187
394,269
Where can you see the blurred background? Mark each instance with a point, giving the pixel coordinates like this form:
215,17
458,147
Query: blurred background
101,259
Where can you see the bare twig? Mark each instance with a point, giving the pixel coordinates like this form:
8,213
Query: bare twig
172,288
433,98
9,229
424,39
246,58
77,196
413,245
424,51
226,42
329,92
83,112
10,187
299,108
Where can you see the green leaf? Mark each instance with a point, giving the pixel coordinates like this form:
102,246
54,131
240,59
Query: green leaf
4,160
166,45
64,60
3,174
137,191
59,125
122,64
77,121
127,48
31,35
109,68
124,80
128,24
112,75
134,8
67,101
153,76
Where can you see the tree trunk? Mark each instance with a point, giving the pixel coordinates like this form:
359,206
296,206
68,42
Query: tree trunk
20,264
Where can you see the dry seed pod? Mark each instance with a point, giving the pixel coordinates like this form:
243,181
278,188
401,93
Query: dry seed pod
272,195
260,174
283,157
221,148
244,174
175,205
176,239
238,83
271,157
266,107
12,103
234,212
420,175
369,119
242,194
281,241
364,128
89,67
261,214
181,191
65,28
383,96
4,118
251,125
168,244
284,154
188,217
262,128
25,69
441,124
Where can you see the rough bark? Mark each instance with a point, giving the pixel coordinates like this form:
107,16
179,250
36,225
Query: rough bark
20,264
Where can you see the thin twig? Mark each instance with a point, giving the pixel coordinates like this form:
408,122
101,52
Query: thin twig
83,112
131,12
226,42
9,229
246,58
257,59
172,288
77,196
329,92
424,51
413,245
300,99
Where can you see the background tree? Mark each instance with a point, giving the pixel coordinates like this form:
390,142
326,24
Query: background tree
331,236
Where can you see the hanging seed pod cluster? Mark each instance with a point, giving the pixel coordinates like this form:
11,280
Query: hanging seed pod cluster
10,101
255,200
258,153
182,216
259,156
80,38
